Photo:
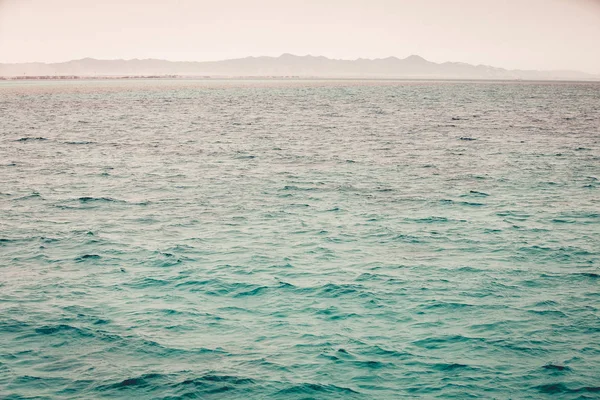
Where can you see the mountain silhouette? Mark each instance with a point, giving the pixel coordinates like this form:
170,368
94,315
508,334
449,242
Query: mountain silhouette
413,66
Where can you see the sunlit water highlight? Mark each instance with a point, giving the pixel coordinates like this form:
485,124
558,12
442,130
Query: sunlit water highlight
299,239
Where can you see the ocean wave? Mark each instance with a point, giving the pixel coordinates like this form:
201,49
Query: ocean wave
561,388
317,389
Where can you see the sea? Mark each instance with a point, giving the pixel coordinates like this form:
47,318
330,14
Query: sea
299,239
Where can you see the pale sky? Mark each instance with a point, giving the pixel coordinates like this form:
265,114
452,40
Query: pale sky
526,34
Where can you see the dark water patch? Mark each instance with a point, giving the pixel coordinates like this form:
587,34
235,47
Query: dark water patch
431,220
368,277
513,214
555,313
87,199
562,221
297,188
165,260
372,364
335,290
443,341
561,388
557,367
535,249
524,347
196,283
284,266
561,253
140,381
13,325
343,351
577,219
31,139
333,314
180,249
34,195
91,201
329,357
211,384
406,239
469,270
286,285
231,379
62,329
546,303
217,287
446,305
28,380
447,367
299,205
147,282
461,203
475,193
88,257
384,352
591,275
155,349
257,291
83,142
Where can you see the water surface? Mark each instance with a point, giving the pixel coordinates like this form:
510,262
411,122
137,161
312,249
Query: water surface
299,239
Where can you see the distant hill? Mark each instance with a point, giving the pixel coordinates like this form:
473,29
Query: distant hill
287,65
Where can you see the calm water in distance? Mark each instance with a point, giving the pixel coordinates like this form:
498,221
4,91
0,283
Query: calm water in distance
299,239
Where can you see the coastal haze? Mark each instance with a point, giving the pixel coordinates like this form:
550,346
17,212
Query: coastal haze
285,65
548,35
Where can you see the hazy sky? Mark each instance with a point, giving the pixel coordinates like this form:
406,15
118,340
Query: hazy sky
532,34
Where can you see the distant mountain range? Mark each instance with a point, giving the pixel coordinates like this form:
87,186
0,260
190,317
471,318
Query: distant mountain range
286,65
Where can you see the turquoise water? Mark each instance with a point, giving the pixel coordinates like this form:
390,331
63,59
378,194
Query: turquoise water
299,239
